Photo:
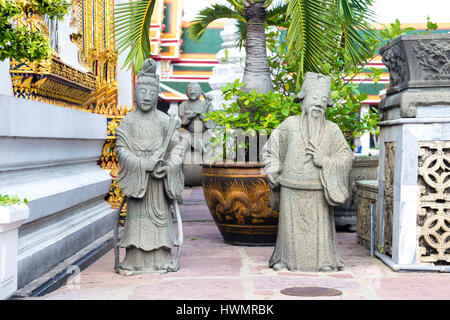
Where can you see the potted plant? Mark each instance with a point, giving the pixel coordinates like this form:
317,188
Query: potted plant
13,212
272,108
240,213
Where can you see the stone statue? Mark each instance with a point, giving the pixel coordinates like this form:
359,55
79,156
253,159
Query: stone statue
150,159
307,164
191,113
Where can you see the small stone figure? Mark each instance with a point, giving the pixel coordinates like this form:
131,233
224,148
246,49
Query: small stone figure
191,113
150,159
307,164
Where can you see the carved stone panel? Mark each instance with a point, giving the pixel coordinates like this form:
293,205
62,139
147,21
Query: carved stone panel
388,203
366,194
433,219
395,60
417,61
434,59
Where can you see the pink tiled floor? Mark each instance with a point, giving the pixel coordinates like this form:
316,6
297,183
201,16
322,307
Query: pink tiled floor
212,270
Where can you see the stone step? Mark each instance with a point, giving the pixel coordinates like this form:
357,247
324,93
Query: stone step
64,234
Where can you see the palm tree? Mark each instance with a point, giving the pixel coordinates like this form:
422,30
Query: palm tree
317,31
252,17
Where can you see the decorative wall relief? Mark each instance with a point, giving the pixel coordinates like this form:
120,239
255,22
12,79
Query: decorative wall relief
395,60
388,205
235,204
366,194
434,59
433,219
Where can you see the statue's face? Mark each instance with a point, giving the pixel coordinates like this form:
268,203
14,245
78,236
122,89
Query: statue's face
146,97
193,92
316,103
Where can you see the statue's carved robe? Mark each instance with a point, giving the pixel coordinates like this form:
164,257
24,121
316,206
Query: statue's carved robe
306,239
149,233
191,115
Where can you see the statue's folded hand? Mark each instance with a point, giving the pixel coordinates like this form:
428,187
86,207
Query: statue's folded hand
151,163
160,170
272,179
316,155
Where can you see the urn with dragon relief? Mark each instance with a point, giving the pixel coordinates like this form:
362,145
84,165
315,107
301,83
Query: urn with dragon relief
238,199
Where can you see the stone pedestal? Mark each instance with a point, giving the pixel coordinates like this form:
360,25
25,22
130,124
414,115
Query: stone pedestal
414,189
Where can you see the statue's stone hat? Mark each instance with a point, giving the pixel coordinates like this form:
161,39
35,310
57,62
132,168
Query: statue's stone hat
315,82
147,75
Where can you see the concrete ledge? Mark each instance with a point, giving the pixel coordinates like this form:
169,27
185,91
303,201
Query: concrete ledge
410,267
26,118
46,246
53,189
60,274
23,153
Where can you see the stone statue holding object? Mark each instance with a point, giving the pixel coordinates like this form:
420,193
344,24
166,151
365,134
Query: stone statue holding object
307,163
191,113
150,159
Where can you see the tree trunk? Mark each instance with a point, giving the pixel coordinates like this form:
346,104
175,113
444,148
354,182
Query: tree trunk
256,72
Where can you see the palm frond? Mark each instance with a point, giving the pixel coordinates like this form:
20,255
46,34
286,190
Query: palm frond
237,4
241,33
209,15
276,16
131,29
321,29
312,34
354,16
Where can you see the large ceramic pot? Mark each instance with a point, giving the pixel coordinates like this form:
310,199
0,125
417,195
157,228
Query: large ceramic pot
238,198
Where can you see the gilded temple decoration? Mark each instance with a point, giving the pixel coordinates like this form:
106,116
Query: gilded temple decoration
108,159
93,22
433,219
51,80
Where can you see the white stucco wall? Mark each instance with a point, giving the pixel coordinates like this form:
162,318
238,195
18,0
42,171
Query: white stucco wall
124,78
5,79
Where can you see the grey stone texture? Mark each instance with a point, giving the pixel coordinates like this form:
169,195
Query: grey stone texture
307,163
418,61
194,132
150,156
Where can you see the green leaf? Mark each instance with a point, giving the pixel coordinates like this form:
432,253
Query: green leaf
131,26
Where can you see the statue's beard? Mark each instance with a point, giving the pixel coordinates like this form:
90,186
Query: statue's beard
314,125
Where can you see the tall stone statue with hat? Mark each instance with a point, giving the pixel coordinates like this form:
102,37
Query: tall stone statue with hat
150,159
307,164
